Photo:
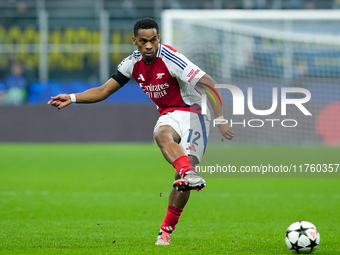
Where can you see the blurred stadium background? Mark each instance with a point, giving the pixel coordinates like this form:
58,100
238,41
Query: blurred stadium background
110,198
48,47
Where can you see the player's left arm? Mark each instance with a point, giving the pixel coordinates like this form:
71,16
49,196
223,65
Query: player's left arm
216,105
192,71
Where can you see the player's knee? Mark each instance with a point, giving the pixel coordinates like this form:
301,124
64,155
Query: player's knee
163,137
160,138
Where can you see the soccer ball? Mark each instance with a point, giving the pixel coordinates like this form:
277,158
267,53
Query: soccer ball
302,237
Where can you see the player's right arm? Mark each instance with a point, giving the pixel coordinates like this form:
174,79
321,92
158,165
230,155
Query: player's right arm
92,95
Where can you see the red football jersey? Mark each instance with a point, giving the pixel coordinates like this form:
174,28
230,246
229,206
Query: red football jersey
169,81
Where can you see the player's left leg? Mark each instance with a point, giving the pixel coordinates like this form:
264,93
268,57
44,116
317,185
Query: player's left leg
167,139
177,202
194,141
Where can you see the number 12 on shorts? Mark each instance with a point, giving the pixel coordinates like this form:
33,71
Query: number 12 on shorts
194,136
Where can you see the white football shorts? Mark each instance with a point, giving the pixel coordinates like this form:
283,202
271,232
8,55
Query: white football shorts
193,129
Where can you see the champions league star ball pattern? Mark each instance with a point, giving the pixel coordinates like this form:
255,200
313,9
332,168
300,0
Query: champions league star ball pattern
302,237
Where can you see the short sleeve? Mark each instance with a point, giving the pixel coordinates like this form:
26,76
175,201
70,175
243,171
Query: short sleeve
184,69
126,66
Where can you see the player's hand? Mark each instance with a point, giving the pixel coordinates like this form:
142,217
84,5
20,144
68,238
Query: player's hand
225,130
60,101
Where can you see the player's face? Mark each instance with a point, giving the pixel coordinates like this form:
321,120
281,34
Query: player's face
147,43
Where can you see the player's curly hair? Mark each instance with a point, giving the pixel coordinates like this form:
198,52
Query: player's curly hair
145,23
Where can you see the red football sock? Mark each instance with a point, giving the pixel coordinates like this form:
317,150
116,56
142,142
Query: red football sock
182,165
171,219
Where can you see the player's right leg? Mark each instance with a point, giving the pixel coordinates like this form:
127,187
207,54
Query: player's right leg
194,135
168,141
189,180
167,136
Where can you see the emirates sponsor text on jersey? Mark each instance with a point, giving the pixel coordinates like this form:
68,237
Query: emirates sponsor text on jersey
155,91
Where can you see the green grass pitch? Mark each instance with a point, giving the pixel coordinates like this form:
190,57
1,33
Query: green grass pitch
111,199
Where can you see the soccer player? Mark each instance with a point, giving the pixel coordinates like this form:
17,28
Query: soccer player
181,132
